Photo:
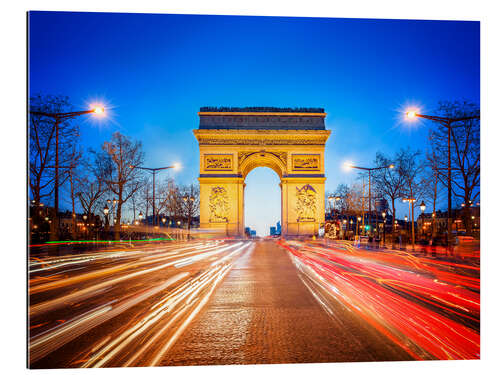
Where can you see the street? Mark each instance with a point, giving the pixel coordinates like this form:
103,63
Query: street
249,302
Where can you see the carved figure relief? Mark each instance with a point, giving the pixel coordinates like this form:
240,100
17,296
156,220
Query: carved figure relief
219,162
305,162
218,205
306,203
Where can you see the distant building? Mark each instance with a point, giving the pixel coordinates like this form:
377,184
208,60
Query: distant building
381,205
272,231
253,233
278,228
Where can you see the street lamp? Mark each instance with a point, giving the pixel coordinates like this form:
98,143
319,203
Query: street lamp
189,200
383,225
58,119
447,123
106,217
154,170
422,206
411,203
350,166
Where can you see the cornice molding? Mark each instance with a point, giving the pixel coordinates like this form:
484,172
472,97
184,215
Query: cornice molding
261,137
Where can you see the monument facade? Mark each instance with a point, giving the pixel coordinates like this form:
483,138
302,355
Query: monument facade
234,141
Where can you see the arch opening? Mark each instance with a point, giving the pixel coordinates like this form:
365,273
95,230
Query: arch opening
263,159
262,200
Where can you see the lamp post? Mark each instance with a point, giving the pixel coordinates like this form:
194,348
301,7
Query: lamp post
383,228
447,123
106,219
58,119
411,202
422,208
154,170
390,166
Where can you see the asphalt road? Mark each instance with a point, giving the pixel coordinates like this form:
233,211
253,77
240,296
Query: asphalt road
264,313
249,302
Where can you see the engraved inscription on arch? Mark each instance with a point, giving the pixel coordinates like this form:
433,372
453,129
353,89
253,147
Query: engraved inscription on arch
305,162
218,162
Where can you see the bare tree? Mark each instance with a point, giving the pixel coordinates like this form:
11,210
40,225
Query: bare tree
342,193
465,152
144,197
71,172
354,199
42,134
116,163
436,184
164,188
190,202
172,200
90,185
415,187
388,182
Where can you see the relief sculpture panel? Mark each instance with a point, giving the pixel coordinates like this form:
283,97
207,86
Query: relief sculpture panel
306,203
218,205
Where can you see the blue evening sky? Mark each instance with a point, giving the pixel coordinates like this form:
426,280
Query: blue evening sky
156,71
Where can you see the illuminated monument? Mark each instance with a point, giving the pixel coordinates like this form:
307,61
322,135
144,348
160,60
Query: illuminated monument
233,141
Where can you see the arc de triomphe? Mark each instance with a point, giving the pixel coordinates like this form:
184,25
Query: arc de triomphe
233,141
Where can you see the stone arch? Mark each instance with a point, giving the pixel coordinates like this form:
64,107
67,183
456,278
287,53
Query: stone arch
251,160
234,141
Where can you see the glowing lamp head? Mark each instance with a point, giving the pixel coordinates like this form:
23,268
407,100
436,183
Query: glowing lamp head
422,206
347,166
177,166
391,166
411,114
98,110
